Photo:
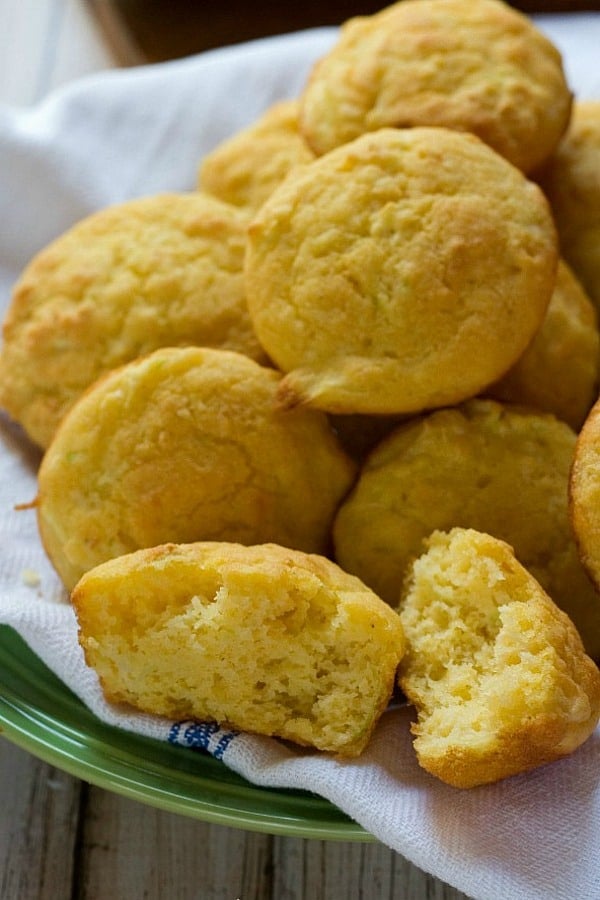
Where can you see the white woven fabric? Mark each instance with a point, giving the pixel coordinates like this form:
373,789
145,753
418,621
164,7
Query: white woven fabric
133,132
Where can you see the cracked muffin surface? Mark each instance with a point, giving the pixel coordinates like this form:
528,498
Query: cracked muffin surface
375,270
185,445
159,271
480,67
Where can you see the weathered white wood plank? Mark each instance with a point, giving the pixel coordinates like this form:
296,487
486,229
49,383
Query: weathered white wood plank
320,870
38,827
130,850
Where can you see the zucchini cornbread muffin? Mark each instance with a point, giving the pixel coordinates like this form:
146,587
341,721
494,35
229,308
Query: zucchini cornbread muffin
558,372
478,66
159,271
373,272
584,494
245,169
496,469
498,674
314,662
571,181
184,445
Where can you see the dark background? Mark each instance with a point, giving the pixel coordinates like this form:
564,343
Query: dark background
156,30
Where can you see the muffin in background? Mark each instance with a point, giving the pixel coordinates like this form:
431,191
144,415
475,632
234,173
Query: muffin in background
571,181
159,271
558,373
245,169
479,67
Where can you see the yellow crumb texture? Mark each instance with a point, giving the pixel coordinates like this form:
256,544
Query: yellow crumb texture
263,639
496,671
30,577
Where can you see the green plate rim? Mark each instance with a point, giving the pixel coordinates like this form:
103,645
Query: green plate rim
39,713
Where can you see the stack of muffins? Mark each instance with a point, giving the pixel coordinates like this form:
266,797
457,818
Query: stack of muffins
312,428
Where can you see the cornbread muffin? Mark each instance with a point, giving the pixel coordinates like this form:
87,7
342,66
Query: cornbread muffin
373,272
314,662
245,169
183,445
571,181
584,494
558,372
478,67
159,271
497,672
500,470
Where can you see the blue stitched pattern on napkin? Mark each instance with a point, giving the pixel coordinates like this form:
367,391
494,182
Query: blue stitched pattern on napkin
201,736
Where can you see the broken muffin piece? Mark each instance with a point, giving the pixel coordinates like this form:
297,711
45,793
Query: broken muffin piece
262,639
497,672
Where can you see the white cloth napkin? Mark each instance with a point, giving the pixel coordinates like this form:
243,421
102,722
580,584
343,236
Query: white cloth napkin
133,132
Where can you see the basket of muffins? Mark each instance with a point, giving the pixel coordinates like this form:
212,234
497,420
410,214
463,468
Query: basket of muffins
323,431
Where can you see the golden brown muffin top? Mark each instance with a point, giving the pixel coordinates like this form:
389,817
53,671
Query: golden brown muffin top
375,271
472,66
159,271
184,445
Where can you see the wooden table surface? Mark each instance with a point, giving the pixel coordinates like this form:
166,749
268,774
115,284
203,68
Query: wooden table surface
62,838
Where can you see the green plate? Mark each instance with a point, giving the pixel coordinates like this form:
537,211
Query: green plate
39,713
